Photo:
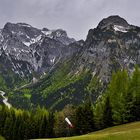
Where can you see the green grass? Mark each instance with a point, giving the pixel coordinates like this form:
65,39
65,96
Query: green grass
129,131
1,138
28,96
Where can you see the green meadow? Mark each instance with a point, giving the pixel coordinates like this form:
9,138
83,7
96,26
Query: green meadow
1,138
129,131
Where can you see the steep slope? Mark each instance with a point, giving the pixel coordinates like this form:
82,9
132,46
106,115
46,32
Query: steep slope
55,89
28,51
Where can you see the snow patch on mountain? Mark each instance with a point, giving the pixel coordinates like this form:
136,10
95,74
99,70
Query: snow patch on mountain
27,43
32,41
120,28
47,33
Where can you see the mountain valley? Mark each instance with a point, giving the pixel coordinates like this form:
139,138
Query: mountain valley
47,68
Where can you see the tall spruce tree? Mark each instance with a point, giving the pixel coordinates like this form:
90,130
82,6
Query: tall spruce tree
117,91
134,89
107,113
84,119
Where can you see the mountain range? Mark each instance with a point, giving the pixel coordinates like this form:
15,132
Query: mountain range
48,68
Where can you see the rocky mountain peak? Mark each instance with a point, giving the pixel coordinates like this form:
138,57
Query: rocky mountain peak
45,29
59,35
22,31
24,25
113,45
29,49
113,20
13,26
108,28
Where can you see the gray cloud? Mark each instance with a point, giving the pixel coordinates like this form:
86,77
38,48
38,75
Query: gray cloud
75,16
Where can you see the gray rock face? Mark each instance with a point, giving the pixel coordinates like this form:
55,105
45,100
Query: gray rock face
113,20
113,45
35,49
59,35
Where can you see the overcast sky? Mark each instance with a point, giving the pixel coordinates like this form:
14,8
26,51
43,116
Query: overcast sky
75,16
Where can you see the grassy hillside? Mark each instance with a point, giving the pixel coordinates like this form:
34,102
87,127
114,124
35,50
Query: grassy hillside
1,138
123,132
57,89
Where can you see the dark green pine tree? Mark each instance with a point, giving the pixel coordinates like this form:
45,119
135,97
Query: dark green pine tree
50,126
3,116
107,113
7,128
84,119
11,124
19,135
129,106
134,89
19,127
32,127
117,91
136,109
42,127
98,114
15,129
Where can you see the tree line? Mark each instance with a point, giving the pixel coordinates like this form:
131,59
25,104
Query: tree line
119,104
